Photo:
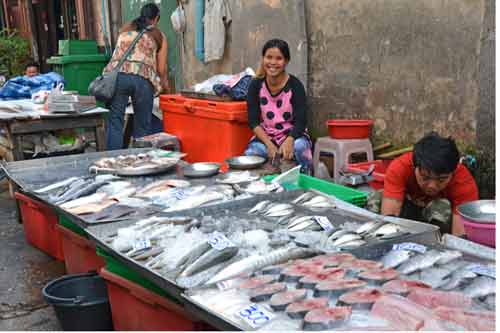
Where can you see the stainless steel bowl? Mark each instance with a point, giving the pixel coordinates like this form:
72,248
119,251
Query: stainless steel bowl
479,211
201,169
245,162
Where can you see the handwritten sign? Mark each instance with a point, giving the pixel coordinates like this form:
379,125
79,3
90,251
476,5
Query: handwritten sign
410,247
324,222
218,241
142,244
255,315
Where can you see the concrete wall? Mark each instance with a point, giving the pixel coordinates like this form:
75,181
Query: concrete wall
413,66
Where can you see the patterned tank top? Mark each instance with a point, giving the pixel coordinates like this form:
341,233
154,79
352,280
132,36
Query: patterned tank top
142,60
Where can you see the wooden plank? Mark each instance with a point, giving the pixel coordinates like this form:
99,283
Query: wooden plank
396,152
100,136
382,146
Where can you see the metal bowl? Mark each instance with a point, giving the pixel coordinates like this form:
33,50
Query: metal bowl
201,169
479,211
245,162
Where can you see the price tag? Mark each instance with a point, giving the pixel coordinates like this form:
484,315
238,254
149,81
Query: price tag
483,270
179,194
142,244
255,315
273,186
410,247
324,222
218,241
225,285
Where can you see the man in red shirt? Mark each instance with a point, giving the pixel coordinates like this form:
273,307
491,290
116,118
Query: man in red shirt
428,185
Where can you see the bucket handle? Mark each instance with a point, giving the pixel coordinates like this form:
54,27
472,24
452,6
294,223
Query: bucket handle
189,107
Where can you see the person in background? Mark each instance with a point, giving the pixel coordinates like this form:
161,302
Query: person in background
277,109
142,76
427,185
32,69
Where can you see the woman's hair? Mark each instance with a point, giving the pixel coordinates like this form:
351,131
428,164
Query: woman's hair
273,43
148,12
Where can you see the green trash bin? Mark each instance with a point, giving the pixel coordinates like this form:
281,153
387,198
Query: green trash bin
79,70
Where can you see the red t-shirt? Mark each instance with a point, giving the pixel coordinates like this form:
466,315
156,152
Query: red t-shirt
400,183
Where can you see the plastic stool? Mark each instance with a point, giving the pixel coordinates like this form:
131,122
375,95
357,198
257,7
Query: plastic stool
341,151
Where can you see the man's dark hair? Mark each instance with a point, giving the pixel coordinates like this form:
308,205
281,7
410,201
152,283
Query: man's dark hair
436,154
32,64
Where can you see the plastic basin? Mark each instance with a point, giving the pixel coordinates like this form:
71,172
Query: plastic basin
80,302
349,128
479,223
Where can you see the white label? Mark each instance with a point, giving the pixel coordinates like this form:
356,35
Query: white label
218,241
273,186
142,244
225,285
410,247
324,222
179,194
255,315
483,270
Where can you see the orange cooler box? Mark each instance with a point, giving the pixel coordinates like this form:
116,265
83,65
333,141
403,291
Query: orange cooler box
208,131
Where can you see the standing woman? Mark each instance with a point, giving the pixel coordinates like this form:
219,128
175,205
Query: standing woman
142,76
277,109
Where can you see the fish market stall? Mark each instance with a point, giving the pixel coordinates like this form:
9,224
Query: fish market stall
197,248
411,287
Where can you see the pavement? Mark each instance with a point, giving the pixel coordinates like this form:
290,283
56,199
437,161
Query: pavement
24,271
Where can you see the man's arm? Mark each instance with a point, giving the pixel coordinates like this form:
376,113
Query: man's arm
457,228
391,206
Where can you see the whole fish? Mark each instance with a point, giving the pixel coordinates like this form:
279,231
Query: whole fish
386,229
303,197
337,234
69,190
435,276
420,262
352,245
91,208
195,201
298,220
210,258
259,207
346,239
281,213
455,265
319,201
255,263
490,302
394,258
480,287
447,256
310,225
458,278
277,208
87,189
114,187
149,253
370,226
191,256
54,186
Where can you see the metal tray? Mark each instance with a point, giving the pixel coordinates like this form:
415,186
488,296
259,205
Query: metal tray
161,168
201,169
245,162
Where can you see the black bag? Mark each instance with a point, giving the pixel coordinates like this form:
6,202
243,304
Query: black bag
104,86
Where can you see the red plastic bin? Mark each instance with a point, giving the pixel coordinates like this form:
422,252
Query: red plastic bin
349,128
135,308
378,174
79,253
39,222
208,131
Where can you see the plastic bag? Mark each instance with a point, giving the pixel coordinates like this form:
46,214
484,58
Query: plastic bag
178,19
227,79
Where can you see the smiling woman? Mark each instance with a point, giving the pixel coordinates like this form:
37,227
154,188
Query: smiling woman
277,109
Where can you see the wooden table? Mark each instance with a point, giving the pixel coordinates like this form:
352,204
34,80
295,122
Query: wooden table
15,128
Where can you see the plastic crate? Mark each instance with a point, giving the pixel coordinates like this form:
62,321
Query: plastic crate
115,267
135,308
65,222
208,131
378,173
79,70
344,193
80,253
39,222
